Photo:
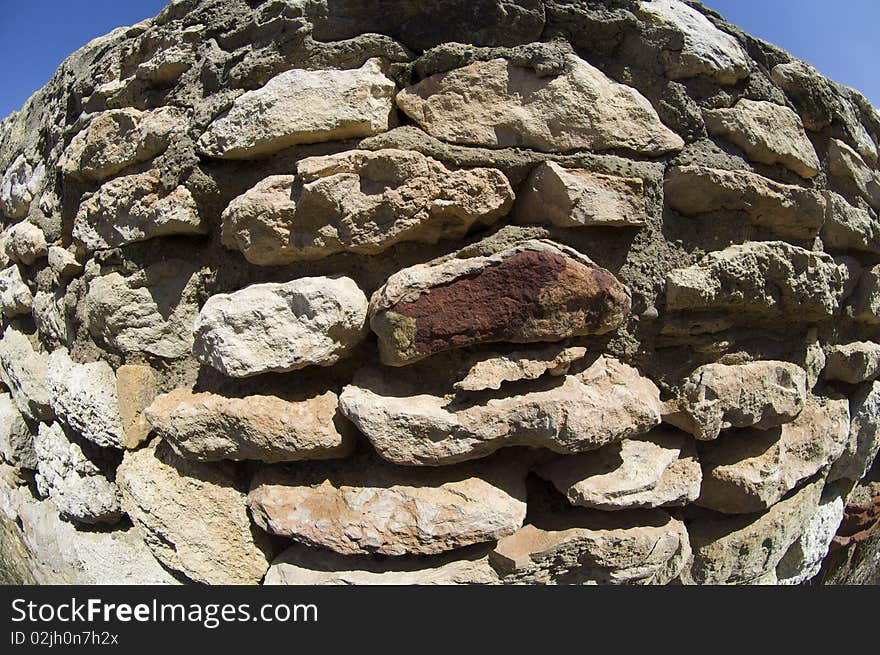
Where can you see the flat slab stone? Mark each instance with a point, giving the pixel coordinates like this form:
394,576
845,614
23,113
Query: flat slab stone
498,104
279,327
850,228
361,201
534,291
303,106
492,370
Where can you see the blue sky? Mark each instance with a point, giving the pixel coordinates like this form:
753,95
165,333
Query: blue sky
840,38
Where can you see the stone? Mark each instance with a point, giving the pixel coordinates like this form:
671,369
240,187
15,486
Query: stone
301,565
658,469
15,296
279,327
363,202
209,427
19,186
866,299
749,470
579,546
760,395
50,317
492,370
498,104
192,516
136,388
785,209
605,403
701,48
571,197
534,291
84,397
863,443
23,371
303,106
25,243
766,279
768,133
69,473
166,66
846,163
116,139
850,228
356,507
151,311
803,560
134,208
852,363
63,263
16,439
745,549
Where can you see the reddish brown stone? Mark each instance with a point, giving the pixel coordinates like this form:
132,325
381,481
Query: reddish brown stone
859,523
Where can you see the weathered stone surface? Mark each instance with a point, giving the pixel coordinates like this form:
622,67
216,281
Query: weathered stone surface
84,397
151,311
804,559
56,552
114,140
50,317
770,279
357,507
850,228
25,243
133,208
15,296
768,133
166,66
136,387
492,370
209,427
23,371
785,209
301,565
745,549
846,163
607,402
567,197
702,49
498,104
303,106
68,473
750,470
716,397
659,469
866,300
534,291
863,443
192,516
361,201
278,327
16,439
63,263
593,547
854,362
18,186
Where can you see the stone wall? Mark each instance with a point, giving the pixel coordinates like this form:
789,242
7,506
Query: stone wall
481,291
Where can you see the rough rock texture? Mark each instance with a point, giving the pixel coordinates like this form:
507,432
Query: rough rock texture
498,104
281,327
192,516
607,402
361,201
209,427
535,291
303,106
785,209
563,197
390,511
659,469
556,291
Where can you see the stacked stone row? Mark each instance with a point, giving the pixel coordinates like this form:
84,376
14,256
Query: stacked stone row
498,411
